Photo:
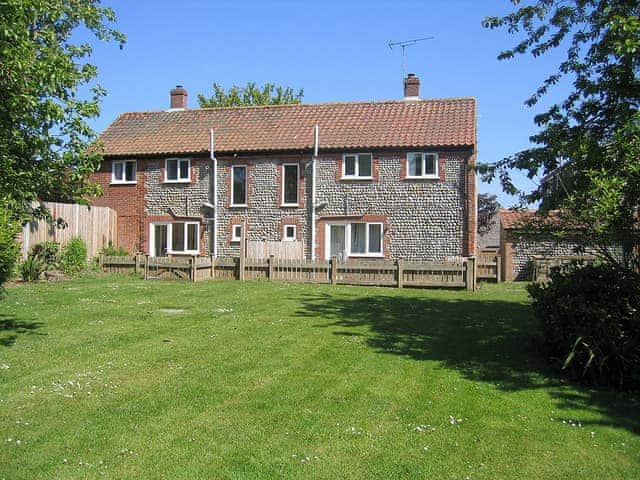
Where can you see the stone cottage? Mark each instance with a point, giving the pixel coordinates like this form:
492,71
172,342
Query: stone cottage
383,179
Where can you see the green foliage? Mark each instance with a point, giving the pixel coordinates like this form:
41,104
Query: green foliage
32,268
73,258
590,321
587,148
44,130
488,207
268,94
112,251
9,248
48,252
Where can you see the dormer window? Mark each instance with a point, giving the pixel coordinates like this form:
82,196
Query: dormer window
177,170
422,165
356,165
123,171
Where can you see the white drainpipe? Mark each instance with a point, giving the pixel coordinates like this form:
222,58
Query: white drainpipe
316,131
214,162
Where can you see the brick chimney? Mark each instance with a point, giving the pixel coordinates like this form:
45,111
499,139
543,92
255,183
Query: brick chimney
178,98
411,87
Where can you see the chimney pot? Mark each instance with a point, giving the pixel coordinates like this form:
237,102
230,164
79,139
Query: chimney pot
178,97
411,87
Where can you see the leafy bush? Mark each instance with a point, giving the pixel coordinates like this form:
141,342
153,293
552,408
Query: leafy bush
590,320
112,251
31,269
48,252
9,248
73,257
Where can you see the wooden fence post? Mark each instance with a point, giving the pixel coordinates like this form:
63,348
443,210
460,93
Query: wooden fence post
136,268
334,270
400,272
213,267
270,261
101,261
471,273
498,268
192,268
146,267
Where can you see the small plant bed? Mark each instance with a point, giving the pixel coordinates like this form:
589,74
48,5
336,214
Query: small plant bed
101,377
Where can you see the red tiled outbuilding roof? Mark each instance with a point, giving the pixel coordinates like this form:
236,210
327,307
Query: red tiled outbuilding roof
510,219
349,126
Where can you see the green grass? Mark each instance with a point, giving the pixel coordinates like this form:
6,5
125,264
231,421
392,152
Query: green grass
261,380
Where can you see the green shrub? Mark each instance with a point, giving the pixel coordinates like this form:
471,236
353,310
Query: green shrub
31,269
9,248
48,252
73,257
590,320
112,251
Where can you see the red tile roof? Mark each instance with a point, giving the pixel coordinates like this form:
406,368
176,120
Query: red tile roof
356,125
510,219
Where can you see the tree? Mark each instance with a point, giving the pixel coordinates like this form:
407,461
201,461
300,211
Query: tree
588,144
488,207
44,134
268,94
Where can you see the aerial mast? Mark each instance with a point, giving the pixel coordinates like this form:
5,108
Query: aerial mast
404,44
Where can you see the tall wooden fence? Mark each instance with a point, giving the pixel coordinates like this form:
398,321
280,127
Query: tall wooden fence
398,273
284,250
97,226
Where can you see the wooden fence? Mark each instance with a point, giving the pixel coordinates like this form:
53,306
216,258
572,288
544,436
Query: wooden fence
398,273
97,226
489,265
283,250
542,264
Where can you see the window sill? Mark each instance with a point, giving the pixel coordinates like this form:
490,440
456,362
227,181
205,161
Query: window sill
123,183
366,255
423,177
356,179
177,181
238,205
289,205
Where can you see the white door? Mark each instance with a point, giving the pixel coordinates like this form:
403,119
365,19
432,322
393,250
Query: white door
337,242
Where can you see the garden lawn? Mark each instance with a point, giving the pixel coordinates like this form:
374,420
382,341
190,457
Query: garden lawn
116,377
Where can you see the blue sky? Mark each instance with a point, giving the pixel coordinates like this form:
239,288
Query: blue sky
334,50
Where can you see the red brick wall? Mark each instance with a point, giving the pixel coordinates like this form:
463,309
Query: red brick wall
128,201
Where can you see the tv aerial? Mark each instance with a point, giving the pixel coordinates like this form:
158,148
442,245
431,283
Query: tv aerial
404,44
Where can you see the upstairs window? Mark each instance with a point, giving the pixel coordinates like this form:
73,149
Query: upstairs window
177,170
123,171
422,165
357,165
290,184
239,185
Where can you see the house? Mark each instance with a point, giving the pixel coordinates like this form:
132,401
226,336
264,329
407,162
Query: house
379,179
519,245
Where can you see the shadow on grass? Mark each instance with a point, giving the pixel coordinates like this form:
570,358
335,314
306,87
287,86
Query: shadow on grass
492,341
10,329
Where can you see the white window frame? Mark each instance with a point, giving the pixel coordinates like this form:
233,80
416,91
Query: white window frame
283,203
356,174
424,156
285,237
170,250
234,236
246,186
124,181
347,233
178,178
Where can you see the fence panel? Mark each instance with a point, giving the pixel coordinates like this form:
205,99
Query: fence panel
489,265
434,274
307,271
118,265
283,250
97,226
